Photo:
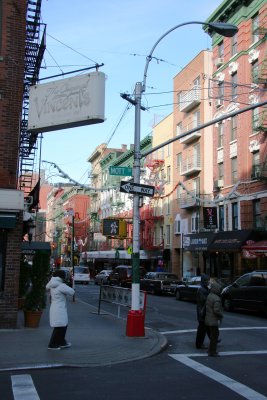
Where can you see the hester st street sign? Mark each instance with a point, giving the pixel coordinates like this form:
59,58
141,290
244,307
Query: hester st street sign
136,188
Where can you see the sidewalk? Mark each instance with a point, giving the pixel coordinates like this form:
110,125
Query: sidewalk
97,340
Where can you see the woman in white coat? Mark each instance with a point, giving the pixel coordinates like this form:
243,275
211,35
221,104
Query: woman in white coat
58,313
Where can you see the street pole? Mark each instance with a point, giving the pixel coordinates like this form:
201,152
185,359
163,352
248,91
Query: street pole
135,319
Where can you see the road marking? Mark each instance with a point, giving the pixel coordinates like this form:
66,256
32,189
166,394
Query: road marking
224,380
241,328
23,388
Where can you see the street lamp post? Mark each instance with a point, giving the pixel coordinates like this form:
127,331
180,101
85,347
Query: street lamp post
135,319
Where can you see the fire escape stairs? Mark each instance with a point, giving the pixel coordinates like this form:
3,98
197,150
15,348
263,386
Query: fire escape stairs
34,51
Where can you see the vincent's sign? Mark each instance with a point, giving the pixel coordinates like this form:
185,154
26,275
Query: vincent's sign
67,103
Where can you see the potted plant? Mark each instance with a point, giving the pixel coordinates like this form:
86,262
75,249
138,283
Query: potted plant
35,300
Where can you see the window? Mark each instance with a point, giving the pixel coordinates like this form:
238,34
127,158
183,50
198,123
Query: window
234,169
257,214
168,208
179,192
235,216
179,162
177,224
168,234
220,170
234,86
194,222
220,50
256,168
168,174
255,71
221,218
255,119
168,150
221,90
234,44
220,134
179,128
233,127
196,119
255,27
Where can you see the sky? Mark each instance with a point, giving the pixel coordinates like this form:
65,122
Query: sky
119,34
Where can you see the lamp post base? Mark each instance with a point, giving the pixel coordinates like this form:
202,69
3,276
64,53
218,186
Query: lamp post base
135,323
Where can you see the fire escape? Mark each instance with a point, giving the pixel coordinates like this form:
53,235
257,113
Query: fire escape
34,51
148,214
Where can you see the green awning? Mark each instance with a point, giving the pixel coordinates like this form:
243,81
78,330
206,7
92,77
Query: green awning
8,220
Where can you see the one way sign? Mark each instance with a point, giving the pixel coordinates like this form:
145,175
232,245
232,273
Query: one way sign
135,188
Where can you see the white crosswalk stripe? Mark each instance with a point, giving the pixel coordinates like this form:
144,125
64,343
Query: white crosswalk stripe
23,388
230,383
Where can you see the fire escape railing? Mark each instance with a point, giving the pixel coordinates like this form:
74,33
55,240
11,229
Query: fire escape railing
34,51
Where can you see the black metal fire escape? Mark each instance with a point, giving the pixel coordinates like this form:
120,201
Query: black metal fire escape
34,51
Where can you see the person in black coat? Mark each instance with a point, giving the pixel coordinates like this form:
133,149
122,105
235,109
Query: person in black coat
202,295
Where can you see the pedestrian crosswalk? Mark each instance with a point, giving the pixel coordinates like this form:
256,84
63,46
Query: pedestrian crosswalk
23,387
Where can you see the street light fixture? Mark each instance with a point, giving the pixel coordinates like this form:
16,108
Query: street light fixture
135,320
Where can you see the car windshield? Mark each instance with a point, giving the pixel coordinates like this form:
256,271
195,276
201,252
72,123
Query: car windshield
81,270
167,276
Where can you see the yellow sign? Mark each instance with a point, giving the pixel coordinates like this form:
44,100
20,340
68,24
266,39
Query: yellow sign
130,250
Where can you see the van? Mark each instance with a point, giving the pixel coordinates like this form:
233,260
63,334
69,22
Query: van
122,276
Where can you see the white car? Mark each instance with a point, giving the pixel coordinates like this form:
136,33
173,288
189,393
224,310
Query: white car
101,277
81,274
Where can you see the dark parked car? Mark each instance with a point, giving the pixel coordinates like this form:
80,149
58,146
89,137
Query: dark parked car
122,276
187,290
159,282
102,277
249,292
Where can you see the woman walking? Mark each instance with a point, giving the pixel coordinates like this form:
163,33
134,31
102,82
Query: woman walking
58,310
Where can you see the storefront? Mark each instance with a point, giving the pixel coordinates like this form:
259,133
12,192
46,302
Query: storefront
196,259
226,254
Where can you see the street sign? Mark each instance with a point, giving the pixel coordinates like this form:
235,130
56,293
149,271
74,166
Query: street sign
122,171
136,188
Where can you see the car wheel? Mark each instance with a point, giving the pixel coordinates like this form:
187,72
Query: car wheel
227,304
178,295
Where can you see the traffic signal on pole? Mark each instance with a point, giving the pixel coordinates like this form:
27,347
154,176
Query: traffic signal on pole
114,227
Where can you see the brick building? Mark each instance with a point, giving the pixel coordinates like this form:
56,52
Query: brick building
18,49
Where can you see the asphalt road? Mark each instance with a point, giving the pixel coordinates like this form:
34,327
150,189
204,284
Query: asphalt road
180,372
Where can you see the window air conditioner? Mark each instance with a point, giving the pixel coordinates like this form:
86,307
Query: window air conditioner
218,103
218,184
219,61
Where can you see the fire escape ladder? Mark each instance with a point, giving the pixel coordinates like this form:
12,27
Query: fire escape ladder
34,51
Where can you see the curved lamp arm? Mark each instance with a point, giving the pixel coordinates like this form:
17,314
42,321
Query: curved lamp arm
222,28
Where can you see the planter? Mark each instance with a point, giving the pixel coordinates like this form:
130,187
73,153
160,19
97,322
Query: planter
21,301
32,318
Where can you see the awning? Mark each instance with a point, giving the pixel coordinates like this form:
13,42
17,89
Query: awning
197,241
33,247
255,248
230,240
8,220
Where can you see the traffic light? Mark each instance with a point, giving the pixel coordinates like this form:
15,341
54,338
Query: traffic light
114,227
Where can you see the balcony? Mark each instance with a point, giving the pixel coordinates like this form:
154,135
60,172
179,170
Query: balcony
190,99
192,136
188,199
191,165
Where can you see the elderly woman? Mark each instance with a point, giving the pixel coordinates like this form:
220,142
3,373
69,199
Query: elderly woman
58,314
214,316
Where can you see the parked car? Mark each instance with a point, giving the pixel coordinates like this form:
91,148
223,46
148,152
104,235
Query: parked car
81,274
248,292
187,290
102,277
122,276
159,282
